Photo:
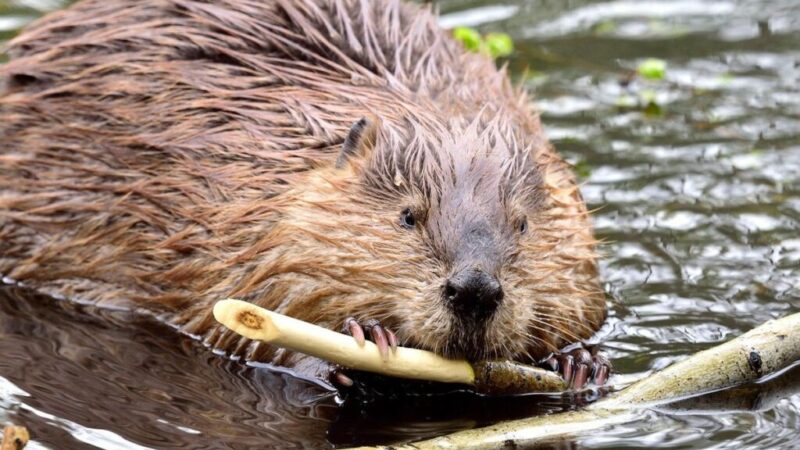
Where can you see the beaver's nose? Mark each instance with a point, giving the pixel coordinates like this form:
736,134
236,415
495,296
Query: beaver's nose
473,293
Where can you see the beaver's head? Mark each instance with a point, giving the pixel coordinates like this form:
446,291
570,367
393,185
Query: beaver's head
462,237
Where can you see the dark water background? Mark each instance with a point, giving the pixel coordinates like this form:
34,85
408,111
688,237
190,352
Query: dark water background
697,181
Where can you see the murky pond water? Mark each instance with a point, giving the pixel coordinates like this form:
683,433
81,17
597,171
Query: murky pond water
696,181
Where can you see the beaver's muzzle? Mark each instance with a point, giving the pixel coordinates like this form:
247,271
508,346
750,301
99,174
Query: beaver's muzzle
473,295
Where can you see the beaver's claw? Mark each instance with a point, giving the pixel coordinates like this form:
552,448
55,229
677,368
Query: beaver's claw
579,367
337,377
384,338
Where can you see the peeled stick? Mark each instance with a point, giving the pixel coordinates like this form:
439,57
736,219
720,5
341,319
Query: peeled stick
488,377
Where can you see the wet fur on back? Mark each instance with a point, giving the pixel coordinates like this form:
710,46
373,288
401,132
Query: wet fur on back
164,154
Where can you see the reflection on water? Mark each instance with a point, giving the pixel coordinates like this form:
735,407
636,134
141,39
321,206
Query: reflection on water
76,377
697,183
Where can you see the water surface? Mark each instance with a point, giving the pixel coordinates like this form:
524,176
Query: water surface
696,181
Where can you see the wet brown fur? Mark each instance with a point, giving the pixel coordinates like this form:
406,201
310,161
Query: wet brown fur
164,154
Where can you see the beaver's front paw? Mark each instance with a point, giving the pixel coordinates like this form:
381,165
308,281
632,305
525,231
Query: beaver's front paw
579,366
382,337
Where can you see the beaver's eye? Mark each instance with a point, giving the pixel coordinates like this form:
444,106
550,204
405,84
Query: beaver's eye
407,219
523,225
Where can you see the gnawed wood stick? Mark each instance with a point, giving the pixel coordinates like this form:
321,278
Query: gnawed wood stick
762,351
501,377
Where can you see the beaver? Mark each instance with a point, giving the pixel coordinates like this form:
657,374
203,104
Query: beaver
343,162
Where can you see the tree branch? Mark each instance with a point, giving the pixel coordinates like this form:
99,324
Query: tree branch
765,350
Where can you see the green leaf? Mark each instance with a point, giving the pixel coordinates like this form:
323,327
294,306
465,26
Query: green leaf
469,37
582,169
499,44
605,27
652,69
648,96
653,110
725,78
626,101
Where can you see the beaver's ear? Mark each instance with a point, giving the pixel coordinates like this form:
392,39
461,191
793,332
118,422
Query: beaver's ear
359,141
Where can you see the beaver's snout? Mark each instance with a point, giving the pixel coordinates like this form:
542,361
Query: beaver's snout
473,294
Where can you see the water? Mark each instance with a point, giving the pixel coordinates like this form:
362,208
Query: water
697,184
